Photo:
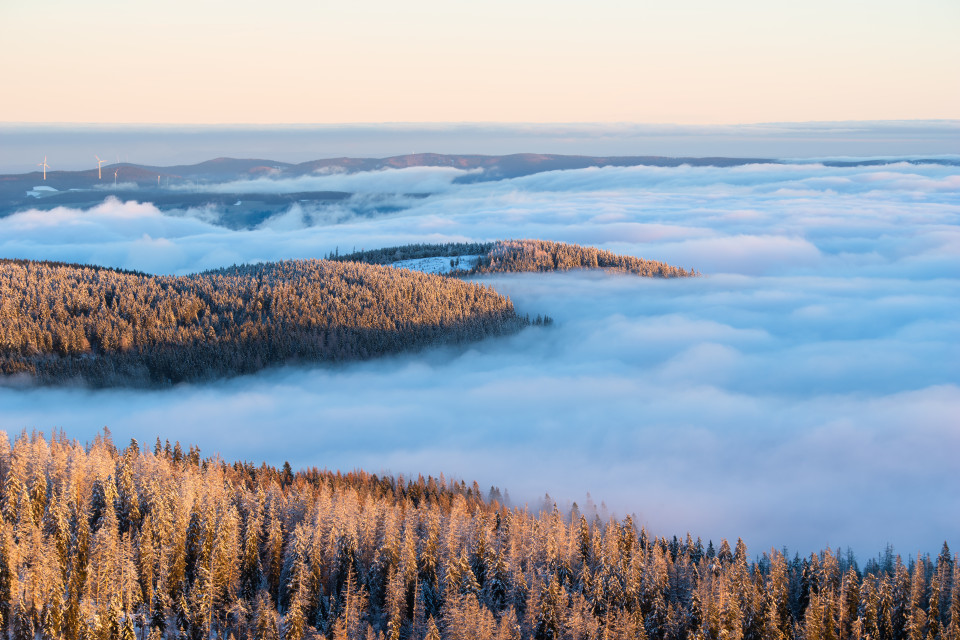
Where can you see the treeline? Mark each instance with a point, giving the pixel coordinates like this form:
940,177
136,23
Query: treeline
541,255
510,256
61,322
107,543
388,255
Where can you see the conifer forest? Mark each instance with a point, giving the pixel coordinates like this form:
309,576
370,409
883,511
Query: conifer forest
68,323
518,256
106,327
99,541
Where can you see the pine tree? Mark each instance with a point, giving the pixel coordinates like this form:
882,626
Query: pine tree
933,616
900,589
952,631
353,605
550,608
849,604
22,623
395,605
127,631
294,623
432,632
265,618
145,560
251,575
7,573
497,586
52,618
656,582
508,627
273,562
916,617
868,609
14,489
813,627
158,613
777,591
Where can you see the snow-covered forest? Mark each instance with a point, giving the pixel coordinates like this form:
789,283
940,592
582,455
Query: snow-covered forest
517,256
61,322
153,541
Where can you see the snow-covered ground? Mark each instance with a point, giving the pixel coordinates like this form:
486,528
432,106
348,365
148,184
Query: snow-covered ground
438,264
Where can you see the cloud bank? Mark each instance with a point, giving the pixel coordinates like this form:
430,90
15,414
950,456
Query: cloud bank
805,393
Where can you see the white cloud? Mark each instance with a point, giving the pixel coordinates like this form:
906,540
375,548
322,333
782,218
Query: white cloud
407,180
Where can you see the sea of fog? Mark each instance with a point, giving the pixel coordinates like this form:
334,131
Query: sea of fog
804,393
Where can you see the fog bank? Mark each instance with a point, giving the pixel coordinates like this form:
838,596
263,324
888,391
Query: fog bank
804,393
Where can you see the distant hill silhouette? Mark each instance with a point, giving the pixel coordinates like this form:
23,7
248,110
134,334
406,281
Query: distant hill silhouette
181,186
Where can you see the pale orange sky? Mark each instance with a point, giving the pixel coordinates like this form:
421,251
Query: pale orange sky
293,61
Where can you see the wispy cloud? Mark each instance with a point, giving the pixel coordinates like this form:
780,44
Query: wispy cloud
407,180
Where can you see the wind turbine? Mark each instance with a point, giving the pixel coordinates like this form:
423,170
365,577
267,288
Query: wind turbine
99,169
45,167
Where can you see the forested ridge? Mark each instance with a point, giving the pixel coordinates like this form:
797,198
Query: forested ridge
62,322
510,256
102,542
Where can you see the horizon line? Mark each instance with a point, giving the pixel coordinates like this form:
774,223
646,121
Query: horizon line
408,123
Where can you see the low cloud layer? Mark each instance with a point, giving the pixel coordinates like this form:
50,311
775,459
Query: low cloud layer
397,181
804,393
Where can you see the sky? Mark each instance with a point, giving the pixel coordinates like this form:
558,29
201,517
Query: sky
804,393
556,61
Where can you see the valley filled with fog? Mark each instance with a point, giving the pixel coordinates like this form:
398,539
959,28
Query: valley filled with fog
804,393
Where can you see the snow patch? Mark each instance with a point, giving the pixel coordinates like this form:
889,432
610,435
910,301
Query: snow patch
438,264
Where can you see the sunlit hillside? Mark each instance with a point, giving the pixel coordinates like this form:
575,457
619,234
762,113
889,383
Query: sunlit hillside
104,542
65,323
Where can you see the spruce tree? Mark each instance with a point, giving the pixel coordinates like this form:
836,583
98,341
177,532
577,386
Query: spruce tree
158,613
916,617
433,633
952,631
933,614
265,618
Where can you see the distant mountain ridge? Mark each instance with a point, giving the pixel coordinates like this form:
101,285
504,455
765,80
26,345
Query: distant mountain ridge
181,186
495,167
178,186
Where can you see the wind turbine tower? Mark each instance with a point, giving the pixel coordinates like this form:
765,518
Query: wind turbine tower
99,167
115,176
45,167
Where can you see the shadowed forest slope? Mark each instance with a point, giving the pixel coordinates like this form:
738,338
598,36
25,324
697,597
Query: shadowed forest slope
62,322
99,542
512,256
